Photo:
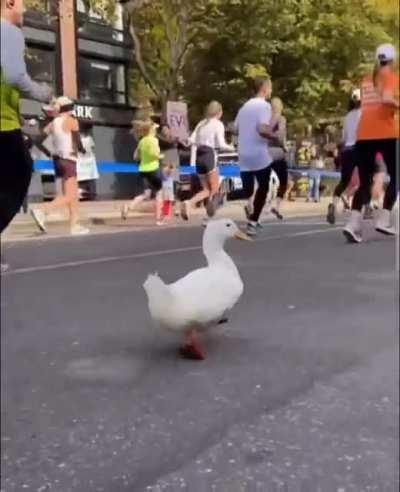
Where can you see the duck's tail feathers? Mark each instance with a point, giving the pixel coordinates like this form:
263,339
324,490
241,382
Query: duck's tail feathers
156,289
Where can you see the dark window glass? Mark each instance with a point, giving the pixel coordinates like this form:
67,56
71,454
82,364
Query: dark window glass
41,65
101,81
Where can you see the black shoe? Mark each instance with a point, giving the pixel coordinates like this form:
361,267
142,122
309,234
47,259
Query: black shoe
276,213
252,229
331,218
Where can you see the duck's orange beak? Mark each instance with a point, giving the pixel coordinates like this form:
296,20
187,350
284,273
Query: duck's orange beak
242,236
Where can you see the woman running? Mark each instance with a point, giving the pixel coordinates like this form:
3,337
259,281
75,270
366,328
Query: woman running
348,158
378,131
64,130
208,137
278,152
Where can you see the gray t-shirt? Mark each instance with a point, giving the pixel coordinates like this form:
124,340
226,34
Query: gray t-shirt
13,65
252,147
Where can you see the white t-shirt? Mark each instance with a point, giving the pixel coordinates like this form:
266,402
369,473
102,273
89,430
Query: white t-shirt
252,147
212,134
350,127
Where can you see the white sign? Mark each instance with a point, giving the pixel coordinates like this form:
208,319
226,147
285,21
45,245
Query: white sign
84,112
177,118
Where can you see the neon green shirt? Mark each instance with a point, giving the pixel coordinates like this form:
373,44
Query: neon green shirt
9,110
149,153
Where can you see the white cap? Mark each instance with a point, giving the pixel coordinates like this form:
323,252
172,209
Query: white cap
356,94
63,101
386,52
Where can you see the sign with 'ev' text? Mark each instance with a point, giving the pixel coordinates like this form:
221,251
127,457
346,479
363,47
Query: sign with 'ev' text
177,118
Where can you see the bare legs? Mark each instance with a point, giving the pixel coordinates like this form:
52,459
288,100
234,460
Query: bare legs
210,187
69,199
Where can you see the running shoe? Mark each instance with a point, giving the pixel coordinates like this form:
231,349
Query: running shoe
204,222
160,223
252,229
124,211
368,213
276,213
259,226
185,210
331,217
3,267
352,230
78,230
40,219
383,225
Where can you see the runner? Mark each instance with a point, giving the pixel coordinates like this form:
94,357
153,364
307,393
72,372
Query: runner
252,125
347,158
208,138
64,130
378,131
16,168
278,152
149,155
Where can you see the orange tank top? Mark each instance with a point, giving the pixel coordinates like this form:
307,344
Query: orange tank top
379,121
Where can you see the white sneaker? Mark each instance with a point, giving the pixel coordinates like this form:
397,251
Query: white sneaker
383,223
352,229
204,222
40,218
78,230
3,267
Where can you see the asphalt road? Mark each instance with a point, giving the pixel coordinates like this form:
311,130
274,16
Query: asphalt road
299,391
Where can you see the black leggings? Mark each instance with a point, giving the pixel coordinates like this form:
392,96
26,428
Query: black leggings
262,176
366,157
349,163
281,170
15,175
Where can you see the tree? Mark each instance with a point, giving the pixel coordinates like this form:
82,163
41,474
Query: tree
164,33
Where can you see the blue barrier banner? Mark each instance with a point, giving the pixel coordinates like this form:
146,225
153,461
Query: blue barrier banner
226,169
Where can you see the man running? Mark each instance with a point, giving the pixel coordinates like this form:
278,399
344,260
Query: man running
16,168
252,125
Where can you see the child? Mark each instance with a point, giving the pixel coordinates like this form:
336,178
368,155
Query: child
168,171
149,155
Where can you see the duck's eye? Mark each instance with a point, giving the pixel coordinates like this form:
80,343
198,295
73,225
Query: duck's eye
228,225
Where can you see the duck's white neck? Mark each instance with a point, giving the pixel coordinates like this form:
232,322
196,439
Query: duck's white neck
215,253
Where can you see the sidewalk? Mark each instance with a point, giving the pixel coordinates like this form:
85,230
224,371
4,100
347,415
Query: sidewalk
105,217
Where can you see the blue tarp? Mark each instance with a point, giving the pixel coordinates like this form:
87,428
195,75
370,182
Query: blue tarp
227,170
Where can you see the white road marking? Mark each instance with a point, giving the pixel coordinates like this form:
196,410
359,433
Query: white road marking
149,254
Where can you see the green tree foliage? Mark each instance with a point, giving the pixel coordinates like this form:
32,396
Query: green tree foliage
314,50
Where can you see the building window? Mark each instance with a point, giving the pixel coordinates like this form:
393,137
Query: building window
41,64
101,25
101,81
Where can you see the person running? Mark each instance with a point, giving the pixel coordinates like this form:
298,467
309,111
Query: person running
16,168
378,131
64,130
278,152
348,156
148,153
208,138
15,174
252,126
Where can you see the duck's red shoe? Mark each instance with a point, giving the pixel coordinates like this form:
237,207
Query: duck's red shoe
191,351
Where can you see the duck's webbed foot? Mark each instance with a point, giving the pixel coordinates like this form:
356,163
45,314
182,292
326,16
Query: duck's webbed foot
191,349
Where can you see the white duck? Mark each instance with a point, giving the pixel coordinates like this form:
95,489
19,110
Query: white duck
203,296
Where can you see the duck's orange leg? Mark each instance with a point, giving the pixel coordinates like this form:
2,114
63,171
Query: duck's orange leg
191,349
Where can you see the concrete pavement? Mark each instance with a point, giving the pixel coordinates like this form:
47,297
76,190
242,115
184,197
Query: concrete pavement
299,391
105,217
